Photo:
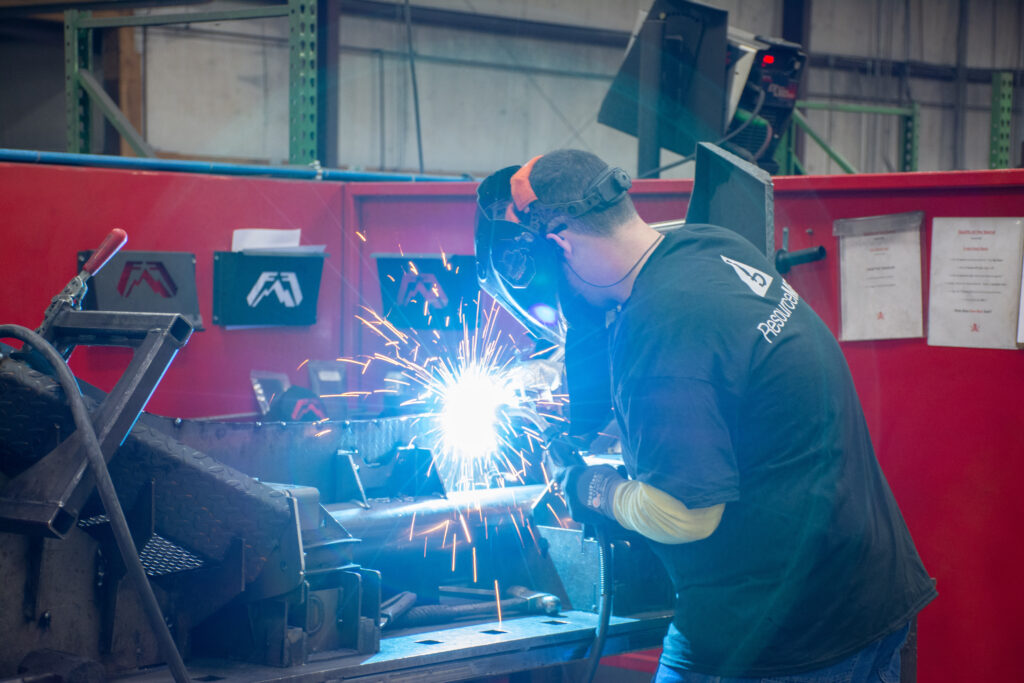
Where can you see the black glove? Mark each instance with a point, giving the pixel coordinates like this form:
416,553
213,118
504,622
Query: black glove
590,492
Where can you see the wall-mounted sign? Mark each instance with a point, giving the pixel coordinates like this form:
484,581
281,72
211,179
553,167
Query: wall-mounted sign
880,276
145,282
428,292
265,289
975,282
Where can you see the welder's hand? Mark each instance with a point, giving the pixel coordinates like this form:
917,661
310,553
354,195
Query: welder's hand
590,492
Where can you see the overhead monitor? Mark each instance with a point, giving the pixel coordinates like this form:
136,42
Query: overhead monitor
690,93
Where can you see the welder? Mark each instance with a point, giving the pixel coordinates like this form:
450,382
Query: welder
751,470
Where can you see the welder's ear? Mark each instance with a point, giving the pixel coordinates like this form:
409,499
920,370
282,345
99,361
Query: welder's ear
563,244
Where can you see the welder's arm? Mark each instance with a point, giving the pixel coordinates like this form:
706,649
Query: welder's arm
660,517
593,492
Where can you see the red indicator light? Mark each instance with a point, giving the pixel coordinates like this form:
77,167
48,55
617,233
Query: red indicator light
768,59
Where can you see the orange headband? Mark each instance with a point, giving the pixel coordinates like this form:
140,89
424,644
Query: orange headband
522,193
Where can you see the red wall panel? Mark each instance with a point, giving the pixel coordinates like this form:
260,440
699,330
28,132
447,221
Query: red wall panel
49,213
945,421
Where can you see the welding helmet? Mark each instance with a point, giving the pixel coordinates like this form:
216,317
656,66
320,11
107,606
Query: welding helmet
516,263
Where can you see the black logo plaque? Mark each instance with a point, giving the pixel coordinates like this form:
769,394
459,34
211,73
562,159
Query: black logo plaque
145,282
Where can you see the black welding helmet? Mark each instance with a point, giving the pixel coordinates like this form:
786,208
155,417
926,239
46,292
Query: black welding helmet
516,263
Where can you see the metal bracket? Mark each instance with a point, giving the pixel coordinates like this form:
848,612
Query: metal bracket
46,498
141,524
786,259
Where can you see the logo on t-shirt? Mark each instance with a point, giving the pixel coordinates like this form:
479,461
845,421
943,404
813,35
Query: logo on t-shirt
758,280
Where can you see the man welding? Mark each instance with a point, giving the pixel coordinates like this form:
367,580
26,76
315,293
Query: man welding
751,469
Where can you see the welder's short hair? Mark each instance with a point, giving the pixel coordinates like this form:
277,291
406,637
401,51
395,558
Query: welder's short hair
564,175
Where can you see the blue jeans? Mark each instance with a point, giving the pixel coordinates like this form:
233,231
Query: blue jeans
879,662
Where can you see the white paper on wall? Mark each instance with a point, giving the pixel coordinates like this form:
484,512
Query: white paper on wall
880,276
975,282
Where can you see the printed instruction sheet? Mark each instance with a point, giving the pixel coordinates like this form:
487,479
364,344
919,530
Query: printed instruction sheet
975,282
880,276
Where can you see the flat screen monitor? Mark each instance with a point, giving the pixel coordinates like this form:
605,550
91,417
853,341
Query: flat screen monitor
690,98
734,194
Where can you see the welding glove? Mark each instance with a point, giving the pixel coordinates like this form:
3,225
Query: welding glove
590,492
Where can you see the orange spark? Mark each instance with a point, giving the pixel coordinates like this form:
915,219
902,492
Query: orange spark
557,518
515,525
465,528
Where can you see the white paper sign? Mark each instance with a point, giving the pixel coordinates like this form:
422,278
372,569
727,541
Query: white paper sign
880,277
247,239
975,282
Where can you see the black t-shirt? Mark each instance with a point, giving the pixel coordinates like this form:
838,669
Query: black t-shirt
729,389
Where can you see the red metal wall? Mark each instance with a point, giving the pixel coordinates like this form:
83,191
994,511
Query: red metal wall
942,419
49,213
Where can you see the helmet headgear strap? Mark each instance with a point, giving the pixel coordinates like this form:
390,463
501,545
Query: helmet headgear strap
607,189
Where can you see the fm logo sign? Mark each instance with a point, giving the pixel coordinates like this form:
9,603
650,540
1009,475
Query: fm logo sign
283,285
307,407
152,273
432,292
414,284
265,289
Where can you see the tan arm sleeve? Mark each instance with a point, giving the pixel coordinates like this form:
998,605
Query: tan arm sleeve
655,514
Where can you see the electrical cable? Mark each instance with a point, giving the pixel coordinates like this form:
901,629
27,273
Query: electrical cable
108,495
769,132
656,242
730,136
604,611
412,76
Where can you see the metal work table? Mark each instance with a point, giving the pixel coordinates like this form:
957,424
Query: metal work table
459,653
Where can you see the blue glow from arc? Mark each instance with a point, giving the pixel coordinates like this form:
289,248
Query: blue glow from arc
470,412
545,314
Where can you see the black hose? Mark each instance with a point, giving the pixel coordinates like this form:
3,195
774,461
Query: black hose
604,613
108,495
